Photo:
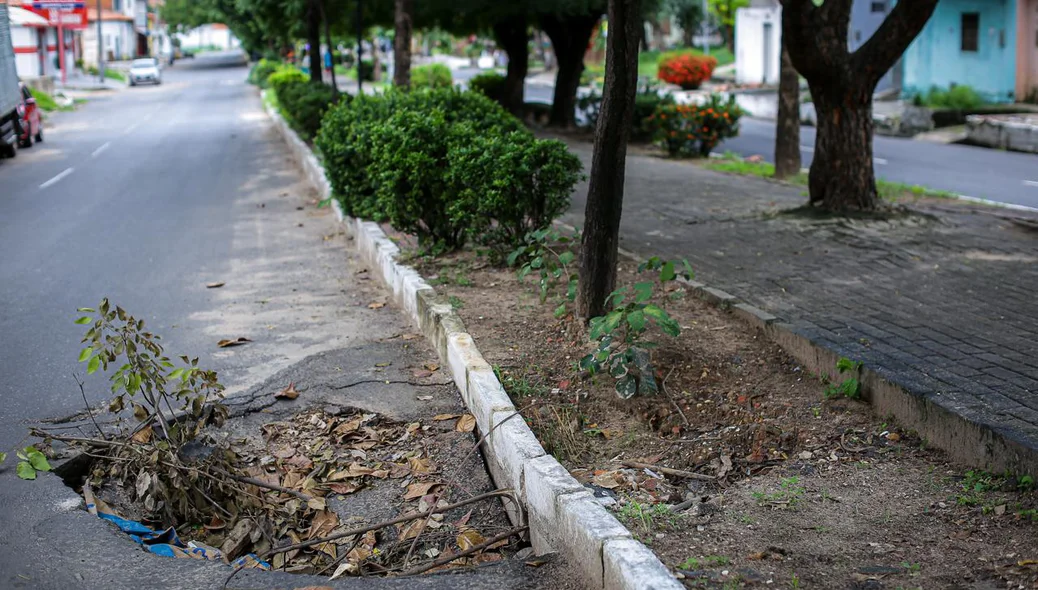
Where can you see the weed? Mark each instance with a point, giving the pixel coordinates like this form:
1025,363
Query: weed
975,486
913,568
545,254
794,582
788,494
693,563
455,301
646,515
518,386
849,387
817,411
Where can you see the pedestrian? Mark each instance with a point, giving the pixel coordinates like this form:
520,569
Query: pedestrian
328,64
305,64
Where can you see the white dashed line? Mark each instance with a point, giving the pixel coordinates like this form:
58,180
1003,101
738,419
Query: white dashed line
57,178
807,148
131,128
1031,182
98,151
880,161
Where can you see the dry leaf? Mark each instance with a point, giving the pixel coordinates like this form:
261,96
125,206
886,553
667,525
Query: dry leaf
410,336
417,490
419,465
424,398
216,285
439,417
411,529
143,435
323,524
316,503
466,423
301,462
431,366
606,480
343,488
376,305
236,342
469,539
288,392
421,373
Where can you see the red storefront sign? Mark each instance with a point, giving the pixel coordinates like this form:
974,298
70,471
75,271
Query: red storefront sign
67,15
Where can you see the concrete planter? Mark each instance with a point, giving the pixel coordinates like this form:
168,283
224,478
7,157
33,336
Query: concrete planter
1008,132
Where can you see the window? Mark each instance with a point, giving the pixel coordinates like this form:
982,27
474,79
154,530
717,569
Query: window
879,7
970,31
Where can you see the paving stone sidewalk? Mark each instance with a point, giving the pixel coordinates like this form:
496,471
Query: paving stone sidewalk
943,303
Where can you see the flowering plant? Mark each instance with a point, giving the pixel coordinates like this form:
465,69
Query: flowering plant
686,69
693,130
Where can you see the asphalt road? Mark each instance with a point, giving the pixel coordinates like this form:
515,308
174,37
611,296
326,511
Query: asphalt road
982,173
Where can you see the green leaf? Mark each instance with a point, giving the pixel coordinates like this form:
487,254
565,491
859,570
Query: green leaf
37,460
86,309
626,387
663,320
25,470
3,457
84,320
92,366
687,268
566,257
636,320
85,354
667,272
642,292
560,310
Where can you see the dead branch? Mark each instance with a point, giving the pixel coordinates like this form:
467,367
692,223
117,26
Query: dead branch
668,470
86,404
262,484
663,387
474,549
508,493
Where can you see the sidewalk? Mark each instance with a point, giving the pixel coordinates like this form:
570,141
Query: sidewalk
942,304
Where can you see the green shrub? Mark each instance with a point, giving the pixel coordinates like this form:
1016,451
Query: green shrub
958,97
367,71
646,101
686,68
446,165
694,130
45,101
431,76
262,70
304,104
490,85
530,185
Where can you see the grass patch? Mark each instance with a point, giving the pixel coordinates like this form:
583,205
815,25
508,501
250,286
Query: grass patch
888,190
46,102
115,75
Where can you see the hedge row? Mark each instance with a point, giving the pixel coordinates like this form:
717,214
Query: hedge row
446,165
302,102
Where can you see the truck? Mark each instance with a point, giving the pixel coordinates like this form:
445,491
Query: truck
10,93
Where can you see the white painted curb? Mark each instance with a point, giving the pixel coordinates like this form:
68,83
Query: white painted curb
563,516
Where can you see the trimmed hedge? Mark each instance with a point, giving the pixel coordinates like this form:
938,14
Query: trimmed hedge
490,84
431,76
262,70
446,165
305,103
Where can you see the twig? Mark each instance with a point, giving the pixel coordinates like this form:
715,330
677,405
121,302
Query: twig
345,555
474,549
663,387
87,405
452,481
407,517
262,484
668,470
425,523
89,441
684,505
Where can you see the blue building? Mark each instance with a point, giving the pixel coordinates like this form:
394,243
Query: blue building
966,42
866,17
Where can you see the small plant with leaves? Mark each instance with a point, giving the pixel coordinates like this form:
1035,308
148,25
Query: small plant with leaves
546,254
147,375
31,462
622,349
849,387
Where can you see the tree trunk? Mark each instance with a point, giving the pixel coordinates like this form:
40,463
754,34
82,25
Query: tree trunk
512,35
787,125
331,52
842,177
313,37
402,44
569,39
598,251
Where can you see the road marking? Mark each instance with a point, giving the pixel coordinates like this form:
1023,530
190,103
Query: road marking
807,148
879,160
1031,182
131,128
98,151
57,178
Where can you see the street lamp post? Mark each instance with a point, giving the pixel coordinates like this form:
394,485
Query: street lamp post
100,47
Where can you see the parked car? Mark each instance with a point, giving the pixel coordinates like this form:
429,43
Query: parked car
30,119
145,70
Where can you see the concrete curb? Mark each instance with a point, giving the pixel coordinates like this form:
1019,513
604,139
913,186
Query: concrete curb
939,419
562,515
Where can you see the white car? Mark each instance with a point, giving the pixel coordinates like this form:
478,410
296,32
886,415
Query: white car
145,70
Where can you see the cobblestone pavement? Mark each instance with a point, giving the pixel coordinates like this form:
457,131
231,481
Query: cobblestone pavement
941,302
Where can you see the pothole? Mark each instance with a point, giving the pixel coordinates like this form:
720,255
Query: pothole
318,491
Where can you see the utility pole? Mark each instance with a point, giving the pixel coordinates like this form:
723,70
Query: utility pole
100,47
360,48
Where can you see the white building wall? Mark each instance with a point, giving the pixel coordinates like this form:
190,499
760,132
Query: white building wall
758,44
26,64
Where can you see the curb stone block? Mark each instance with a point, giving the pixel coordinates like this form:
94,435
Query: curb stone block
431,310
545,481
584,527
463,356
629,565
717,297
512,444
755,316
486,396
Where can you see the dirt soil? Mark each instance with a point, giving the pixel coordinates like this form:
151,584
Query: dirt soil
791,488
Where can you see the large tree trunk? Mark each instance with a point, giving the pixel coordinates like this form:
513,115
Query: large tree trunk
598,250
402,44
841,85
513,36
569,39
313,37
331,51
787,125
841,176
